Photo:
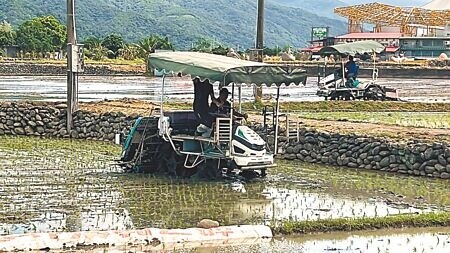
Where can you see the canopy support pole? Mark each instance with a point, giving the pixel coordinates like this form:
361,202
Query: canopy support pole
240,98
231,118
374,71
162,94
277,121
343,73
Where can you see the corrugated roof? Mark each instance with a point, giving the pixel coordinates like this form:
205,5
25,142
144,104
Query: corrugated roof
370,36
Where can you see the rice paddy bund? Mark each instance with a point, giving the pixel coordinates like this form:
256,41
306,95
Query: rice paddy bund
70,185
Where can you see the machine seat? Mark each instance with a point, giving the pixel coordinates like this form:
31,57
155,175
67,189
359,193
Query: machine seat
182,122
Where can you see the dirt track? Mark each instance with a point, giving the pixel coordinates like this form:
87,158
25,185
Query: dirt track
380,130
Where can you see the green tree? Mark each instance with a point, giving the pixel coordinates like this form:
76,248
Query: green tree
7,34
272,51
150,44
41,34
206,45
113,42
92,41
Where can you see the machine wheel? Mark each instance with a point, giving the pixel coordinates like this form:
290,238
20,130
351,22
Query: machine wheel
249,174
187,172
374,92
348,96
263,173
209,170
168,160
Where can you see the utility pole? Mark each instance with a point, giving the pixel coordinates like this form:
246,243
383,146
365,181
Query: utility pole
259,44
260,27
73,60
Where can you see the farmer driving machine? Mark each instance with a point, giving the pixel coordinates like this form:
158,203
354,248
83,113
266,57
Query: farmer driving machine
339,84
178,144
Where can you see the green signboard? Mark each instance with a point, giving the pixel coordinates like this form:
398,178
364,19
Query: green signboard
320,32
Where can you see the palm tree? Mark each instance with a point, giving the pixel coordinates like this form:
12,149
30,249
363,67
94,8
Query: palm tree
150,44
97,51
129,52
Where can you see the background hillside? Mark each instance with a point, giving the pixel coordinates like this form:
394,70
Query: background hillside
184,21
320,7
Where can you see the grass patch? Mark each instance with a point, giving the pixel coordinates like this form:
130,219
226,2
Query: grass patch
337,106
347,224
362,106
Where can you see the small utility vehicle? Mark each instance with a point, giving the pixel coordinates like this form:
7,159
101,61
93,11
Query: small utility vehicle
334,85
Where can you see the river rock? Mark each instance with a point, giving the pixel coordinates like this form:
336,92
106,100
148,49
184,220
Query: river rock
439,168
384,153
207,224
428,154
363,156
290,150
32,123
442,160
429,169
40,130
445,175
29,130
352,165
19,131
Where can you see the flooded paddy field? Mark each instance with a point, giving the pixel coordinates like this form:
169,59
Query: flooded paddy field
48,88
409,240
67,185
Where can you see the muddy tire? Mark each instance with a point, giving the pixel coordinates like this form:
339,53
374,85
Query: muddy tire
374,92
208,170
249,174
168,160
264,173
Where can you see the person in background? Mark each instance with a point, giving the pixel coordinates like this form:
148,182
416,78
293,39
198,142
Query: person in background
351,69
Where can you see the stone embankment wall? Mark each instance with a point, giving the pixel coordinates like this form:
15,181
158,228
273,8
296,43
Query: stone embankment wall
50,121
418,159
14,69
415,158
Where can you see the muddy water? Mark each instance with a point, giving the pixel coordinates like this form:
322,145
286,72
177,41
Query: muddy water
412,240
107,87
63,185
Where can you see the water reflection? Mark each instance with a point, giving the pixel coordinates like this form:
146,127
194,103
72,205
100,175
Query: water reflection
371,242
